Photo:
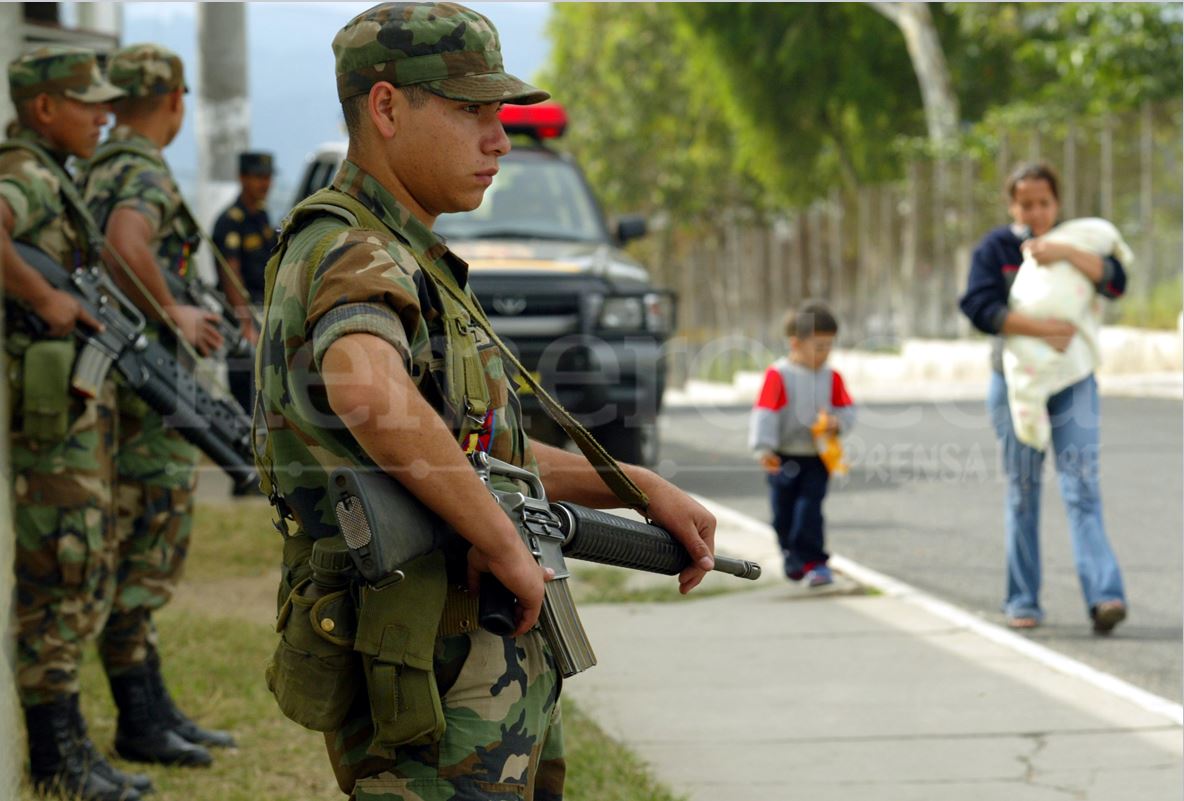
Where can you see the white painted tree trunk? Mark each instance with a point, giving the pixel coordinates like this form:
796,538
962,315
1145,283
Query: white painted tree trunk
223,109
11,23
929,62
11,753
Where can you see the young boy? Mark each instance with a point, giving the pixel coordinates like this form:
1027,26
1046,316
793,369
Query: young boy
801,393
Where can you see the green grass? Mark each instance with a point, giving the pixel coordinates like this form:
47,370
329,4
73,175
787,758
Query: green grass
214,655
600,769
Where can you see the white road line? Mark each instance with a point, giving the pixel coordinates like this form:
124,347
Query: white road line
731,519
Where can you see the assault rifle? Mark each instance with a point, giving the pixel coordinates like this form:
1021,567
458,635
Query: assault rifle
196,293
386,527
218,427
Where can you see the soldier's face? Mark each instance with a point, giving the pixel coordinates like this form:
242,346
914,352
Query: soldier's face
446,154
255,188
176,113
75,127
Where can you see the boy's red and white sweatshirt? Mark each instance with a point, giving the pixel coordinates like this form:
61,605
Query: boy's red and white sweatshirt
788,405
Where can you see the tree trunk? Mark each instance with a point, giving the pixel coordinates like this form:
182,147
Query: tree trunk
929,62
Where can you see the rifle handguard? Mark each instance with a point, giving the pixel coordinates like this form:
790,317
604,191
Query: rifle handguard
596,536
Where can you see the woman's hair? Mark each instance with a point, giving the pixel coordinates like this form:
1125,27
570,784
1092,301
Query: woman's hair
1034,171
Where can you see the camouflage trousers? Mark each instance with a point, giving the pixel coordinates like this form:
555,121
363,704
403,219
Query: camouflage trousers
65,544
503,741
155,481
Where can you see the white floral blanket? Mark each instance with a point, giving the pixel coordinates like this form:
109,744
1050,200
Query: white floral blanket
1034,370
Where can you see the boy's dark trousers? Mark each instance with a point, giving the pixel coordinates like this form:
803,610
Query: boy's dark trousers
796,493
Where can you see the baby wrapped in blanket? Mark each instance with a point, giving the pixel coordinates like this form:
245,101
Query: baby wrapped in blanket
1033,369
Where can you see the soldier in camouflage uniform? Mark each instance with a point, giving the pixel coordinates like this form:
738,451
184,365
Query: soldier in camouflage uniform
136,203
364,360
61,446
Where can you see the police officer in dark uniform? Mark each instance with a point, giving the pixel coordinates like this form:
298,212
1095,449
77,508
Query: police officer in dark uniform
245,236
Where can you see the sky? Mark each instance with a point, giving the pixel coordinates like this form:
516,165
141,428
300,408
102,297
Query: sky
290,76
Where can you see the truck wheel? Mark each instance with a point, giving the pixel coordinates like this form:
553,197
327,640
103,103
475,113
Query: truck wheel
633,444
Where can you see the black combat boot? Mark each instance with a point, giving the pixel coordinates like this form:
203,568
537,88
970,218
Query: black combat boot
143,733
99,764
177,720
60,760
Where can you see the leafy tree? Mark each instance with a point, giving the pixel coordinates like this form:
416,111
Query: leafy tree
1081,57
817,92
648,135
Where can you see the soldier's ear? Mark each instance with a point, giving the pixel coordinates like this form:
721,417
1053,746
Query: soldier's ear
42,108
386,106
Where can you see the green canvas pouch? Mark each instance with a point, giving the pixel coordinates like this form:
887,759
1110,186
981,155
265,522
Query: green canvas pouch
315,673
397,628
45,391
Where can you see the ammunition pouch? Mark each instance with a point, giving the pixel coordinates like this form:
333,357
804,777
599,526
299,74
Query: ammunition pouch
45,389
315,672
397,628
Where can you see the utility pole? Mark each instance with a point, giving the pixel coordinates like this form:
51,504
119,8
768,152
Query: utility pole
12,23
223,107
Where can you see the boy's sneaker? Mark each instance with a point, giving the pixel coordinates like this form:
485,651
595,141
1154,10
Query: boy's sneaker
819,577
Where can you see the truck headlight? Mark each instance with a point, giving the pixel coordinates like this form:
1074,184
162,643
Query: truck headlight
623,314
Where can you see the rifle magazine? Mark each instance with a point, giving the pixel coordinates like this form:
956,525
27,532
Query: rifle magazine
564,631
90,369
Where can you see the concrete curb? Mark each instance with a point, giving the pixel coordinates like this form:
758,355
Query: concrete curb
739,534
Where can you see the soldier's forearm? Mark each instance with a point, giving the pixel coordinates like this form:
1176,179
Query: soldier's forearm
20,280
129,237
231,287
369,389
570,477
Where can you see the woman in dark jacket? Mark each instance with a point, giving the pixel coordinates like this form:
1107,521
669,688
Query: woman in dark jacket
1033,206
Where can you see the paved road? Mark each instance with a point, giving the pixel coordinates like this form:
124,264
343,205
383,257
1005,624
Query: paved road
924,500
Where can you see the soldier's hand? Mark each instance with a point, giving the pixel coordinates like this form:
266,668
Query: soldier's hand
199,327
689,523
61,312
519,573
251,332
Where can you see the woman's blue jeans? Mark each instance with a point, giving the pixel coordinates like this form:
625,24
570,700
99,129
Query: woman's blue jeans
1074,415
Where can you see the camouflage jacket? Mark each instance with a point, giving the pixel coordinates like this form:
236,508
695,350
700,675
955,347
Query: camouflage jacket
367,282
118,178
41,214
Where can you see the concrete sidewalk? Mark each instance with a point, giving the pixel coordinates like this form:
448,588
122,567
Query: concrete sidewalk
858,693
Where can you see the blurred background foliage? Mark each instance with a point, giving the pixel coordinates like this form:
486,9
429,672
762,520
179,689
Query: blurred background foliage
767,122
769,104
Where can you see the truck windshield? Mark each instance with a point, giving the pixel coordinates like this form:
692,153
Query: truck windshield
529,199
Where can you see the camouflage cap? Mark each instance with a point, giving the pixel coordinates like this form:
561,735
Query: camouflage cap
58,69
450,50
146,70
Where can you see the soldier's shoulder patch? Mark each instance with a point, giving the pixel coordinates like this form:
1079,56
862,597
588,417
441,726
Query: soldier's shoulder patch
236,214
